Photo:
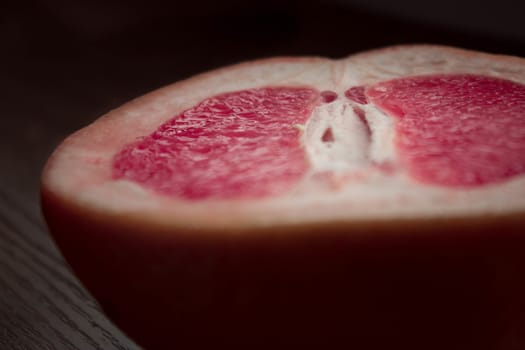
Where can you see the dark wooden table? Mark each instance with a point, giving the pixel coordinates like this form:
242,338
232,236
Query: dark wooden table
59,72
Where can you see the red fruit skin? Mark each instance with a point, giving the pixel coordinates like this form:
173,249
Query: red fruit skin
418,284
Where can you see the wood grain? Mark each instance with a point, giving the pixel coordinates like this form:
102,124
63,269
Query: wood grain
42,305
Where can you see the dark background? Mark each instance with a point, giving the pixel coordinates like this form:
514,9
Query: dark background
63,63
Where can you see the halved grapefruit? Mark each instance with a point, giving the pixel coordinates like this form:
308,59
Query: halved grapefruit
370,202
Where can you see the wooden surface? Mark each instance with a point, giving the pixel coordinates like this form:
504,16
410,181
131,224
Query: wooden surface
59,72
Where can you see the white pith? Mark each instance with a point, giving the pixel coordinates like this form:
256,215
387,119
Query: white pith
352,148
343,183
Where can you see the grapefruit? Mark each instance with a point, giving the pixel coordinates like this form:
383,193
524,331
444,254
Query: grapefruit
370,202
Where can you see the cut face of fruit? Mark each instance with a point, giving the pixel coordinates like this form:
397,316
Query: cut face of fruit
339,139
449,130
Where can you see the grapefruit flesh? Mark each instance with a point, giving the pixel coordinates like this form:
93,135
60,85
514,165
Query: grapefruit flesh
244,143
328,96
456,130
357,94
